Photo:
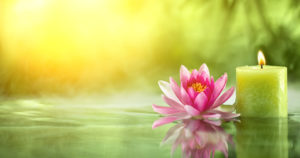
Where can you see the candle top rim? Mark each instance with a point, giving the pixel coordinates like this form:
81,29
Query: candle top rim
257,67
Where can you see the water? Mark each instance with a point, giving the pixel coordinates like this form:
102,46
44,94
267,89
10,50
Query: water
79,128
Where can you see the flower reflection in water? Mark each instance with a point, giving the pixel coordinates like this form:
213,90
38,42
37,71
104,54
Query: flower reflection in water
198,139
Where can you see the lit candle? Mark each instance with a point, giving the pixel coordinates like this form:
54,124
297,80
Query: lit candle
261,90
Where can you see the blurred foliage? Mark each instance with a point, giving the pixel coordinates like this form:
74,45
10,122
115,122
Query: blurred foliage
91,46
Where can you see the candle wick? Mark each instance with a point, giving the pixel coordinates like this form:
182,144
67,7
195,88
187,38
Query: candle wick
262,66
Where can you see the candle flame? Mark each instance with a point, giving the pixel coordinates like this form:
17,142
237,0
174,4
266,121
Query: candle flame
261,58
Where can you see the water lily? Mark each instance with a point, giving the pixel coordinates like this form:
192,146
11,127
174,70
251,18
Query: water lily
198,139
197,96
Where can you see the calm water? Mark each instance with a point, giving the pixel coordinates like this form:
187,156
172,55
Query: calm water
79,128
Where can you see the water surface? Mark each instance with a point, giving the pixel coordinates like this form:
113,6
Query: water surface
79,128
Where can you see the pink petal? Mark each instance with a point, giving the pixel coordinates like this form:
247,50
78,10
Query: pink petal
204,68
184,75
195,75
191,92
213,153
206,154
224,149
192,111
164,120
179,139
223,98
185,98
192,144
167,90
173,103
218,88
172,131
205,76
212,82
201,101
216,123
207,92
216,116
175,88
164,110
197,154
227,115
192,125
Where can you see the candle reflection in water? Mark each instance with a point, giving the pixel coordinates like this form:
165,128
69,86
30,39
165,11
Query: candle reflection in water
261,138
198,139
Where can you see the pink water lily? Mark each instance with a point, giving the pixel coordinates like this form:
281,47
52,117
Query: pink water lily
198,96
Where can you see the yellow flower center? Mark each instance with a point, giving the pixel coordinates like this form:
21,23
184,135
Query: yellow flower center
198,87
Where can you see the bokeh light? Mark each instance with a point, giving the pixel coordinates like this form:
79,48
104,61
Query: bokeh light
76,46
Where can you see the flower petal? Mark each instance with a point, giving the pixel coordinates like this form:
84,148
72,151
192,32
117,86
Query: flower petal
164,110
223,98
167,90
205,76
178,141
171,131
204,68
201,101
206,153
207,92
213,122
164,120
185,98
218,88
212,83
213,115
192,111
173,103
227,115
184,75
191,92
194,75
174,86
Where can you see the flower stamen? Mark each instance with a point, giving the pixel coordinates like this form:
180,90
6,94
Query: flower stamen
198,87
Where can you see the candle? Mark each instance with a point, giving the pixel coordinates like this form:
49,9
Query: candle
261,90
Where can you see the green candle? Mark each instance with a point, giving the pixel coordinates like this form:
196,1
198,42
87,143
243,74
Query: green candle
261,90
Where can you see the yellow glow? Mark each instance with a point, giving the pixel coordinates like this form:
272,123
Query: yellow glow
74,40
261,58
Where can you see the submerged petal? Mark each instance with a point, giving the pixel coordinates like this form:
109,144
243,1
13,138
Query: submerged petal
171,131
